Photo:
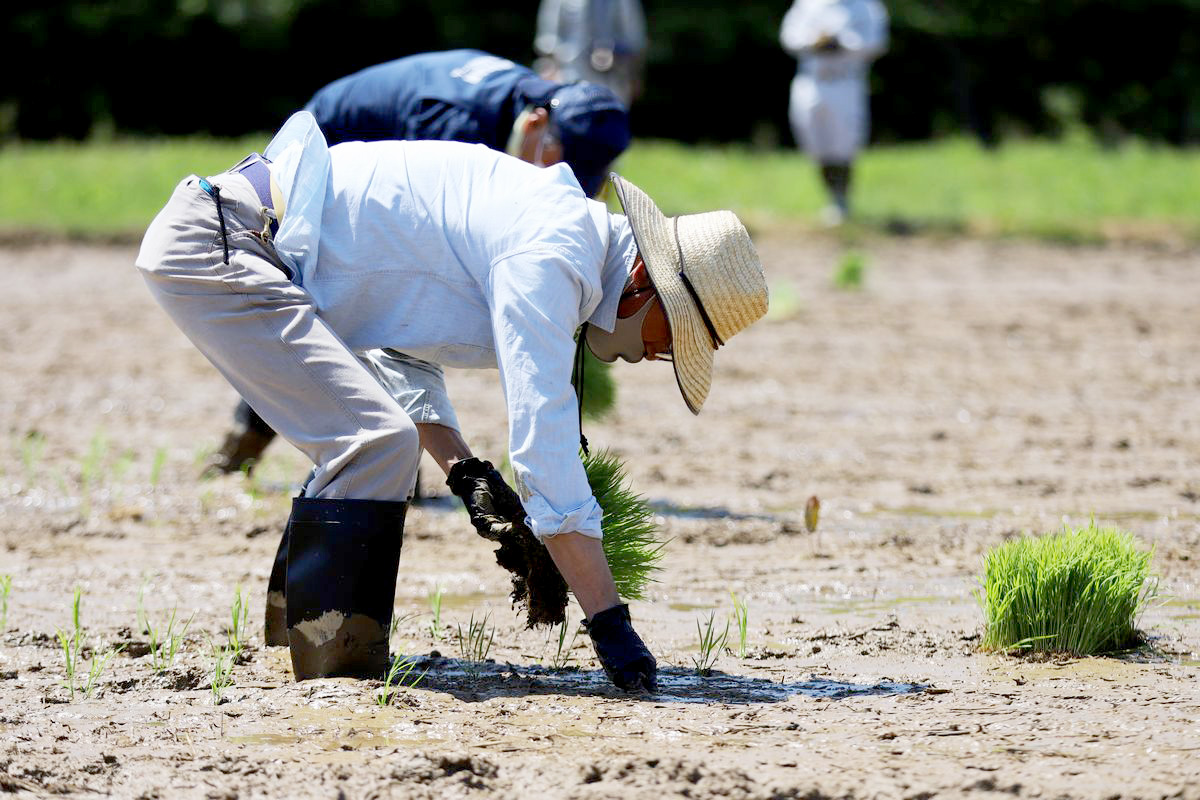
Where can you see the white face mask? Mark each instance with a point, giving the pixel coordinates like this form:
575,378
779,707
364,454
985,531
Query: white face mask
625,341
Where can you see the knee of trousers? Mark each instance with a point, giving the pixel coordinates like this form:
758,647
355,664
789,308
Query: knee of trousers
394,450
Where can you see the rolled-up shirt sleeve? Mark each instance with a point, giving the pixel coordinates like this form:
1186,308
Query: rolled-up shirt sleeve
536,298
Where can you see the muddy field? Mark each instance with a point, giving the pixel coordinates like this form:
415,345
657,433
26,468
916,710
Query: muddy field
968,392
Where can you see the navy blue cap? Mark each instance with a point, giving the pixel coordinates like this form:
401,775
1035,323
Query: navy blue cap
593,126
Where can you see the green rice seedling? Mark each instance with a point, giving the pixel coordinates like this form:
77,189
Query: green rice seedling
631,542
76,604
851,271
397,678
96,666
1078,592
5,589
475,643
93,462
236,634
70,644
562,655
222,677
165,645
156,468
435,605
741,617
711,644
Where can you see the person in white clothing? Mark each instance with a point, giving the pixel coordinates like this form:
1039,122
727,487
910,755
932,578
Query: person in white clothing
600,41
287,266
835,42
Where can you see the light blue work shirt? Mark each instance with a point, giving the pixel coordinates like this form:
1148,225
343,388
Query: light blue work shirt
464,257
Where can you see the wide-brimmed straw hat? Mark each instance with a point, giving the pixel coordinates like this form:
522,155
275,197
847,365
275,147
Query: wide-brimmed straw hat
708,277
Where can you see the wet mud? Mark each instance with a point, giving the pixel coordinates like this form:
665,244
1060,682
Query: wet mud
970,391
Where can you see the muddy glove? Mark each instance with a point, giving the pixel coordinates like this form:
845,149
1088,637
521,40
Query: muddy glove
626,661
497,514
491,503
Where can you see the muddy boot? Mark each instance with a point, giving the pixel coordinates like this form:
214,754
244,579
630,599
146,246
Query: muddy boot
244,445
621,652
341,585
275,625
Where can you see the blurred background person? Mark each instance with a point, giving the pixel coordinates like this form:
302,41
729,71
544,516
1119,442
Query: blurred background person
835,42
602,41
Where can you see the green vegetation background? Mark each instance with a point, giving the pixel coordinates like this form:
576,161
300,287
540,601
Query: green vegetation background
1071,189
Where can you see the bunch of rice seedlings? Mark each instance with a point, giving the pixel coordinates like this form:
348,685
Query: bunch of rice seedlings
850,271
631,542
1077,592
599,389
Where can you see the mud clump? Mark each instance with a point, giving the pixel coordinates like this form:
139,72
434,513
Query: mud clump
537,584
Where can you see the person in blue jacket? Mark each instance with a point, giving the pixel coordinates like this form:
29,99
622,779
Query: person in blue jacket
455,95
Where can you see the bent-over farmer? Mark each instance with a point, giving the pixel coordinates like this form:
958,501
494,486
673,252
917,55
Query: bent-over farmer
284,268
463,96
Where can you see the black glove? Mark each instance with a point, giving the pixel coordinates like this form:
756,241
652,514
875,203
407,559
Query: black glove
491,503
626,661
497,514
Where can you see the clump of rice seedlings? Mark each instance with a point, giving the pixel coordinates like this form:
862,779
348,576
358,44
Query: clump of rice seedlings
5,588
851,271
711,645
222,677
397,678
96,666
435,605
235,636
631,541
741,617
475,642
71,643
165,644
599,388
1077,592
562,655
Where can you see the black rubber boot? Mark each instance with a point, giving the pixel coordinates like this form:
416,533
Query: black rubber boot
621,652
275,625
341,585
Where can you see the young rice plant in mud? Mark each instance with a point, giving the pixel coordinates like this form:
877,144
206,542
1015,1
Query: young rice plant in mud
5,588
711,644
741,617
235,637
222,674
631,544
72,645
397,678
562,655
435,605
1078,592
165,644
475,643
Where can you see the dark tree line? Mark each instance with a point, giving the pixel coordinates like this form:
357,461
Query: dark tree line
715,72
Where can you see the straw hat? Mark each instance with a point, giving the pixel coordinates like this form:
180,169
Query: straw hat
707,275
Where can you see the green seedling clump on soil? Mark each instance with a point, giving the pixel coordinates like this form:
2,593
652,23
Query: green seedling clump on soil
711,644
397,678
1078,592
741,616
850,271
631,542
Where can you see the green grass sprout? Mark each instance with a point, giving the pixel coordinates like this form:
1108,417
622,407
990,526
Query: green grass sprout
70,646
397,678
156,468
631,542
435,605
5,589
96,666
475,642
222,677
711,644
741,617
1078,592
235,636
562,655
165,644
851,271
